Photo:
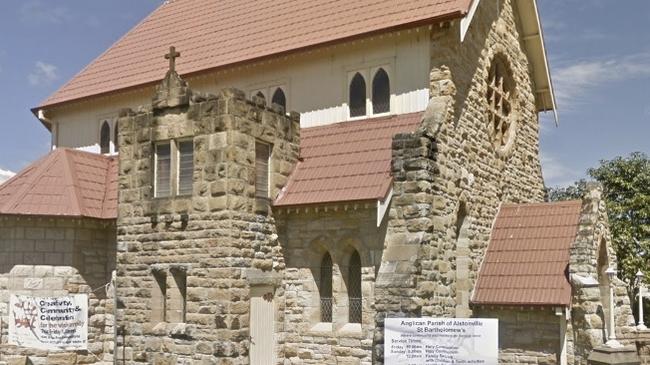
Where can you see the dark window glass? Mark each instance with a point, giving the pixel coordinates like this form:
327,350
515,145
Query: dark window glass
105,138
279,98
354,290
380,92
357,96
116,140
326,288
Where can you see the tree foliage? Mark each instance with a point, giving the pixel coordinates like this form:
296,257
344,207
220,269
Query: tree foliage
626,191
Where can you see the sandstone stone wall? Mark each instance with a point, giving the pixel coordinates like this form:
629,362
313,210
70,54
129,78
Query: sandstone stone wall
590,256
222,237
450,179
306,234
54,257
526,336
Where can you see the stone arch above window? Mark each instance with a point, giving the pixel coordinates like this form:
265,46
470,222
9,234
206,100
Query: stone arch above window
325,288
380,92
355,297
279,98
105,138
357,100
501,102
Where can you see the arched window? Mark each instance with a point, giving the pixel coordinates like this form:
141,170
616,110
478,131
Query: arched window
380,92
326,288
357,96
279,98
116,139
105,138
354,291
261,95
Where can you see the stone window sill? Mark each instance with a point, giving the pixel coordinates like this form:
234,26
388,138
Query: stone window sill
350,330
321,329
175,330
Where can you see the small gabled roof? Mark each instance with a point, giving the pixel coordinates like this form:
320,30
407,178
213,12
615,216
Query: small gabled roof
217,33
528,255
349,161
65,183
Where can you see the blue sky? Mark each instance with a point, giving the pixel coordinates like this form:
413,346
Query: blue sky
599,52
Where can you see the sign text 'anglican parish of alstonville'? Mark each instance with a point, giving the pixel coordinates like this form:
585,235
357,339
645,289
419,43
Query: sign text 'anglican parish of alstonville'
441,341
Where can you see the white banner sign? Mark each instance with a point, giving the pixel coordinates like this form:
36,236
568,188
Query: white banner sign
458,341
49,323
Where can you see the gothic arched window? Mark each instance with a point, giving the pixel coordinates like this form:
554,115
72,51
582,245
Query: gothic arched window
261,95
355,297
279,98
105,138
357,96
116,140
325,288
380,92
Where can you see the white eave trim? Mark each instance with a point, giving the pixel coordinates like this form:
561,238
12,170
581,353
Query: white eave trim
535,39
382,207
467,20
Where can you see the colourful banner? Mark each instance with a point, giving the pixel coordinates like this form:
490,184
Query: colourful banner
49,323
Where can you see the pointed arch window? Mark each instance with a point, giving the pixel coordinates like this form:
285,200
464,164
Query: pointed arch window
279,98
115,139
261,95
325,288
357,96
380,92
355,297
105,138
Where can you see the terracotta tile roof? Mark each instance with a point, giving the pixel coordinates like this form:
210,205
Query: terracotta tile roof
212,34
527,258
346,161
67,183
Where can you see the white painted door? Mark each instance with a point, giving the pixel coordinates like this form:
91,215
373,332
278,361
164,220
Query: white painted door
262,322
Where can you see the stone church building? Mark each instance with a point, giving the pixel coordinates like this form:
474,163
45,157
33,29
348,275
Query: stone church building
301,172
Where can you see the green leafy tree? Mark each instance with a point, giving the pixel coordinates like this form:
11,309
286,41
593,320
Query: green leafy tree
571,192
626,190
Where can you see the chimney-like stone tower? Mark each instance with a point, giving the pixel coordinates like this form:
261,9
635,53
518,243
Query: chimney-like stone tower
197,242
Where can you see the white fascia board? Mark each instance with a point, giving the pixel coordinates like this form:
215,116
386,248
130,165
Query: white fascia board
467,20
382,207
544,66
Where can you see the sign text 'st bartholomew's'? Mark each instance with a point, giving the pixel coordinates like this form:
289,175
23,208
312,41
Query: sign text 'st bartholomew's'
444,341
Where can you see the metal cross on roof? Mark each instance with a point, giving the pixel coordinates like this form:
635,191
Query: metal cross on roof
171,56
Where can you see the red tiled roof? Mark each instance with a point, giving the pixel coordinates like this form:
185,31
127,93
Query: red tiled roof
212,34
345,161
66,183
527,258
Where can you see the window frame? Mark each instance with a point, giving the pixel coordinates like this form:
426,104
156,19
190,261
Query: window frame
109,148
268,89
269,148
177,180
156,172
174,174
373,74
368,73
